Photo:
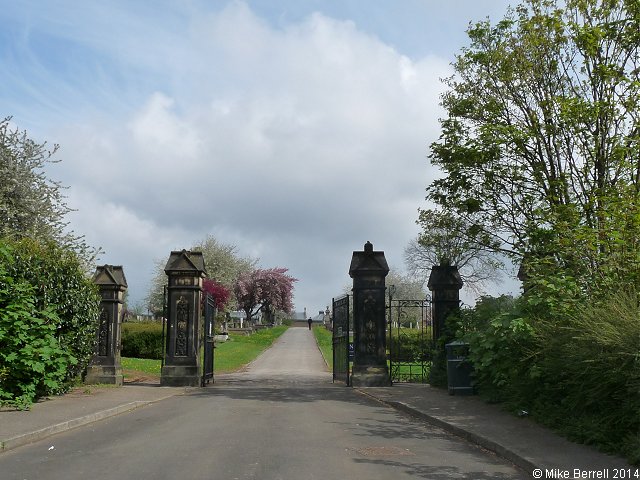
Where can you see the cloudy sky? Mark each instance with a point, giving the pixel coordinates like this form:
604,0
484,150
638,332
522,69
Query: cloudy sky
296,130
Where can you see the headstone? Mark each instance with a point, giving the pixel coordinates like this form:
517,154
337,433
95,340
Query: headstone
368,270
105,365
186,271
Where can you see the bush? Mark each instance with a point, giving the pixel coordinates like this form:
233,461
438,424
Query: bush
501,339
142,340
58,278
577,371
48,319
588,372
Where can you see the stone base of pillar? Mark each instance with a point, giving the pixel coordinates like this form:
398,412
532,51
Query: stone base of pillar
104,374
180,376
370,376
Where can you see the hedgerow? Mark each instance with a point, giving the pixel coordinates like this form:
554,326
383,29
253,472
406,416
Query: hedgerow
48,318
142,340
576,370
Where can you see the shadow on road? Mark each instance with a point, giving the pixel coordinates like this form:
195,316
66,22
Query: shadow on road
436,472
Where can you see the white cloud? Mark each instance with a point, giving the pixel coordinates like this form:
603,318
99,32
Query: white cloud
298,144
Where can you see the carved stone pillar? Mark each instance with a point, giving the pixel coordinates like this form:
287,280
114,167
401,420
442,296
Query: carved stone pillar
181,367
368,270
445,284
105,365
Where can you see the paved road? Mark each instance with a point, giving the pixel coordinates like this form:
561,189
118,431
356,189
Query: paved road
281,419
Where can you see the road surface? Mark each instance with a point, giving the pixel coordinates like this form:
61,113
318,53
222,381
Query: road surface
282,418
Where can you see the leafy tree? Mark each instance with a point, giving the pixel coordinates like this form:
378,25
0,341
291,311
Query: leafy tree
32,205
404,287
223,264
540,146
445,241
265,291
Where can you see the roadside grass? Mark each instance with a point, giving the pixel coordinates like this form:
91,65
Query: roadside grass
230,356
324,339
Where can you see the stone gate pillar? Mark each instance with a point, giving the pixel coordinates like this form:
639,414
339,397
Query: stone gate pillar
368,270
105,365
184,309
445,284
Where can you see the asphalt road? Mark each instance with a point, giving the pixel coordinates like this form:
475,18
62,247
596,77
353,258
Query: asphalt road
281,419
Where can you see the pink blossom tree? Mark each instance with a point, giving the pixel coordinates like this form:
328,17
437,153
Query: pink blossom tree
218,291
264,291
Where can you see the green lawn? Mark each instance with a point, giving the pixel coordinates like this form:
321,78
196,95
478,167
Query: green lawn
230,356
135,366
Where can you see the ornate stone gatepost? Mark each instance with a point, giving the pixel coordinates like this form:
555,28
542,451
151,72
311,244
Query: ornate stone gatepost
105,365
181,360
368,270
445,284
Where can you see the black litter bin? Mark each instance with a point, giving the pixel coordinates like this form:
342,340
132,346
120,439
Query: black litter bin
459,369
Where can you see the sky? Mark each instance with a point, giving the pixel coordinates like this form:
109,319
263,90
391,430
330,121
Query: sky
296,130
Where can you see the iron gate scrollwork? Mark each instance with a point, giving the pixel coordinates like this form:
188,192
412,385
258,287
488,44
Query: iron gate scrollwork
341,339
208,336
410,340
182,322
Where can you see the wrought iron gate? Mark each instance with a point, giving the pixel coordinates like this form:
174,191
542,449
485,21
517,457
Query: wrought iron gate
341,339
409,340
208,338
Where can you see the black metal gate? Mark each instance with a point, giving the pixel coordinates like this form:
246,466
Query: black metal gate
409,340
341,339
208,337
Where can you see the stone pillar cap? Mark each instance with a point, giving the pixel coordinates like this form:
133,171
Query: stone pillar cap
110,275
368,261
184,261
444,276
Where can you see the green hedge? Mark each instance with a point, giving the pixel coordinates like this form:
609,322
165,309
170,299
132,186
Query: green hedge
577,372
142,340
410,345
48,319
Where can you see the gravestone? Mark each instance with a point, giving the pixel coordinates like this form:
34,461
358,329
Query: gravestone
368,270
181,367
105,365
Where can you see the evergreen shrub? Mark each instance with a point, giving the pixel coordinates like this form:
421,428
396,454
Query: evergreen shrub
142,340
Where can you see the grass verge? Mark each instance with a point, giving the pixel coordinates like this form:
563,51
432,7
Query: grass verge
324,339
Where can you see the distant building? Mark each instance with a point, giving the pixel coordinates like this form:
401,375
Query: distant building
300,319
